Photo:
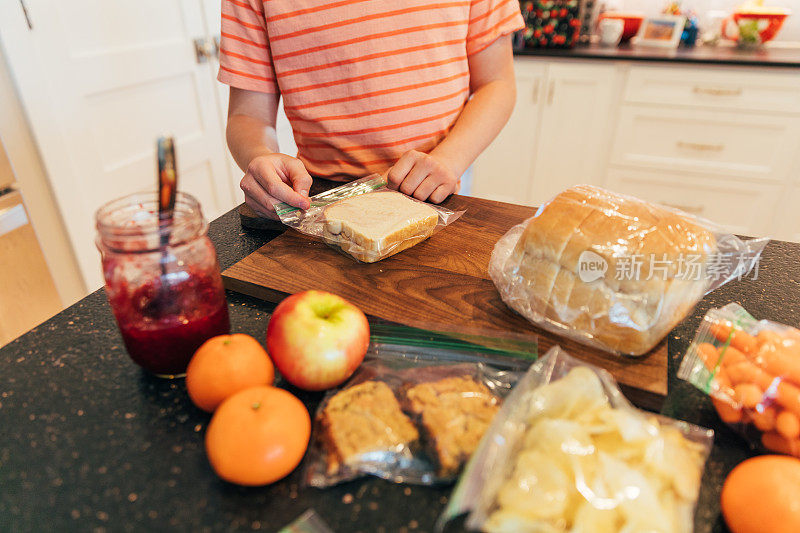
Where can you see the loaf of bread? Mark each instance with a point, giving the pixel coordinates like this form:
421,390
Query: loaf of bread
607,269
376,225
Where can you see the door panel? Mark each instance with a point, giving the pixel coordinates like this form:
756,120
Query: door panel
503,170
575,128
100,81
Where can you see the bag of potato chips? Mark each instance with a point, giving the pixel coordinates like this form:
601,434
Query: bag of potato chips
568,452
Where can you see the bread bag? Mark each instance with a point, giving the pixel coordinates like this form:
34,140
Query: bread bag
366,220
409,415
613,271
751,370
567,452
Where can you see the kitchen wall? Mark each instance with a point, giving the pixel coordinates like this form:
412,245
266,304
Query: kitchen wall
790,31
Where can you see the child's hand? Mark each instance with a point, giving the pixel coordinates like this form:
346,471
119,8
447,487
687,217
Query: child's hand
423,176
275,178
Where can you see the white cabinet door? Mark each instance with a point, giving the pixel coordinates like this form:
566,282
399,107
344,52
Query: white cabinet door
741,206
212,10
700,141
100,81
575,130
503,170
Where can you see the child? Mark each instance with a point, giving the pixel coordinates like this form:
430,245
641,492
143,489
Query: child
414,90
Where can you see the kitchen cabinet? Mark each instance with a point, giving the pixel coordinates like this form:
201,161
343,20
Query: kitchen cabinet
558,135
505,170
720,142
575,130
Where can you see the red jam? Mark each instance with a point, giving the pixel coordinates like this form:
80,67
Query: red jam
164,324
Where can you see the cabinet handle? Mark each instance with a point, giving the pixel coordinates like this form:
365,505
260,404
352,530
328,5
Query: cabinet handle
692,209
536,92
717,91
551,92
701,147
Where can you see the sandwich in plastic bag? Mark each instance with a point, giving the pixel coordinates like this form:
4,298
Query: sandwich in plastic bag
751,370
613,271
408,416
567,452
367,220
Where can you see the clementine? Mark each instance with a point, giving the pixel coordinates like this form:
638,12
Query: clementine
763,494
258,436
225,365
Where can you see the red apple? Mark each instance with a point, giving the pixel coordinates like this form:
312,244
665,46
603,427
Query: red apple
317,339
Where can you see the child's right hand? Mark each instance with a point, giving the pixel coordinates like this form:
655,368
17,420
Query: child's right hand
273,178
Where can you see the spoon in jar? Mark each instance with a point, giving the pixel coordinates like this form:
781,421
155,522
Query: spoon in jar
167,189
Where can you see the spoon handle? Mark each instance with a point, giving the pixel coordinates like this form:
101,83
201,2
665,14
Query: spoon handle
167,186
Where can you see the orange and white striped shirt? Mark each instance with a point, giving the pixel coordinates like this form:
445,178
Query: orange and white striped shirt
362,81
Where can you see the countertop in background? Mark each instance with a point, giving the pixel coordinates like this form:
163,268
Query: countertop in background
772,55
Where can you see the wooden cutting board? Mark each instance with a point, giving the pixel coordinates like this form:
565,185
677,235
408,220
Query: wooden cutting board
442,282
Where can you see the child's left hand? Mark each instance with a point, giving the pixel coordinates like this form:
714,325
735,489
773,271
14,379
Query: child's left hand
423,176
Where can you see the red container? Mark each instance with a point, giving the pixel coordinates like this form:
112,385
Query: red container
633,22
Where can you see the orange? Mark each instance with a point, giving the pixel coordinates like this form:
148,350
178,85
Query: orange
258,436
223,366
763,494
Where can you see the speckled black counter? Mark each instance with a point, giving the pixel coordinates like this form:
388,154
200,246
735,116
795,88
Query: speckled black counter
770,55
90,442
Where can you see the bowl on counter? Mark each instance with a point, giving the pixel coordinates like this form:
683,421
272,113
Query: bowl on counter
633,22
755,25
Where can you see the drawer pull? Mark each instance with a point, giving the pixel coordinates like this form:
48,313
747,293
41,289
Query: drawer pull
551,93
692,209
700,147
536,85
717,91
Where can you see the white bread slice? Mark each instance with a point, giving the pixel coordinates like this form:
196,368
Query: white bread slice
373,226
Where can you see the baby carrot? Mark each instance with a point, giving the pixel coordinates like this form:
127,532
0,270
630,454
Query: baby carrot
777,443
780,362
740,339
788,396
768,337
708,354
788,425
747,395
730,414
764,419
747,372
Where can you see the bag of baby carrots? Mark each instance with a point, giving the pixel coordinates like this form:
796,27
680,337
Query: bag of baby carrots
751,370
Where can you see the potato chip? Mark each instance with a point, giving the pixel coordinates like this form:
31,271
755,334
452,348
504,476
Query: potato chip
586,466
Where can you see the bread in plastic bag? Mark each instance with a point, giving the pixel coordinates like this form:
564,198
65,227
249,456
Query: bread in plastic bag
407,418
366,220
613,271
751,370
567,452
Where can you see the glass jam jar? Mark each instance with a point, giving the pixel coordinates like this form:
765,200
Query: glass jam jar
166,302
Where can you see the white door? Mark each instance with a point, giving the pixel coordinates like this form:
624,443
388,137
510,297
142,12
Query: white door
576,125
503,172
286,142
100,81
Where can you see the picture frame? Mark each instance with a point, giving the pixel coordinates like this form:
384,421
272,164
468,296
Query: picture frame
663,31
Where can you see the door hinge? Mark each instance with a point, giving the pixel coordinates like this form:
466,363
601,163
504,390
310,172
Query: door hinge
27,15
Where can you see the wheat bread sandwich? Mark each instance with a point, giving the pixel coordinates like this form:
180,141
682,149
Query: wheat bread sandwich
453,413
364,419
376,225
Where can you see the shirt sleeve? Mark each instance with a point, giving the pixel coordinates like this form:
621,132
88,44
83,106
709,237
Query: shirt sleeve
245,61
491,19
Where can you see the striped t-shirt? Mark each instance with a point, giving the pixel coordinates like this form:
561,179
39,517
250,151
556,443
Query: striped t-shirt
362,81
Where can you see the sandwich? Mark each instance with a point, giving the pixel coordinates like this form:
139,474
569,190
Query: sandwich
376,225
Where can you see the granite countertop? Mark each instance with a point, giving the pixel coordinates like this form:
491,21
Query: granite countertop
771,55
90,442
